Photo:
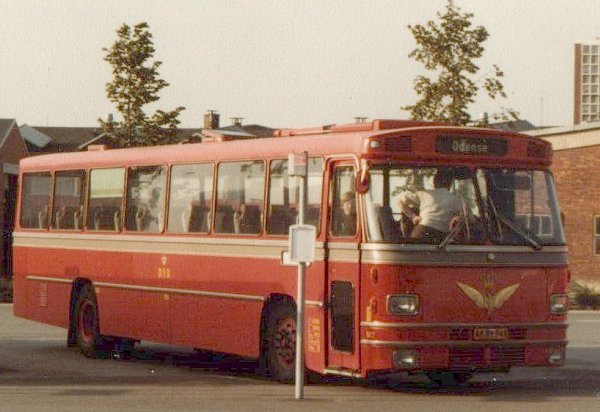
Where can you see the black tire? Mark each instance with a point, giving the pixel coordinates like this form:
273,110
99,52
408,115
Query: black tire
87,334
449,379
280,343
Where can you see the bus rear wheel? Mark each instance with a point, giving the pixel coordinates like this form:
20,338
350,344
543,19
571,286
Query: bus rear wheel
87,334
280,343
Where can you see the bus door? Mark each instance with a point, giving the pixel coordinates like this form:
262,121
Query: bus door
343,268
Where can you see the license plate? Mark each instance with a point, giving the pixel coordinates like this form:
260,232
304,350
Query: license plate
490,334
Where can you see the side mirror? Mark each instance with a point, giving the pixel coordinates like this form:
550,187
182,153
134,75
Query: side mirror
363,181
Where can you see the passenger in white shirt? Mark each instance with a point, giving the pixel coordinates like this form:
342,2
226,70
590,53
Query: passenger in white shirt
437,208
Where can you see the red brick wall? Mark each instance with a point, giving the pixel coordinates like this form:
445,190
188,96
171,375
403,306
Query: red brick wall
577,177
577,86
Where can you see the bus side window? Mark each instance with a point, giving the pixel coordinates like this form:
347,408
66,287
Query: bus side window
343,208
35,201
240,197
145,209
190,198
105,199
284,193
69,195
283,202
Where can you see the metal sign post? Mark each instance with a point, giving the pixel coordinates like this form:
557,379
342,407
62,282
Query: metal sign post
301,251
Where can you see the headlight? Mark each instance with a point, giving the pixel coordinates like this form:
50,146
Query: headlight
405,358
405,304
559,304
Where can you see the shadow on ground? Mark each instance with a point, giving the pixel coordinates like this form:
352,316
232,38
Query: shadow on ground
156,364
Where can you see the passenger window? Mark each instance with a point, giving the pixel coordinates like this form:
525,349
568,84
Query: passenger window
105,199
146,186
343,210
35,200
240,197
284,194
190,198
69,190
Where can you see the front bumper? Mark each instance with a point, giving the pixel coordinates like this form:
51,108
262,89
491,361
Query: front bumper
424,347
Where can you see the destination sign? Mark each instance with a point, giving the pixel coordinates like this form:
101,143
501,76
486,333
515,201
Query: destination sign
467,145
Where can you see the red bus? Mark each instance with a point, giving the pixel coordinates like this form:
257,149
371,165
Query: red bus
440,249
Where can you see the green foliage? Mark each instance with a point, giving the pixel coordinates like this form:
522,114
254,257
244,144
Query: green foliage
135,84
586,298
449,48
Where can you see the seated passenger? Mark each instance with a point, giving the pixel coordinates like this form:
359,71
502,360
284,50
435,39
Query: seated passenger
437,208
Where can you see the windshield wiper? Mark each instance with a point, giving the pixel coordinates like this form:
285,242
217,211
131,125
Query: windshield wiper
453,232
529,238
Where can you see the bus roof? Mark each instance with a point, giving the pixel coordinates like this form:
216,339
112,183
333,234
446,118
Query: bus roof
346,139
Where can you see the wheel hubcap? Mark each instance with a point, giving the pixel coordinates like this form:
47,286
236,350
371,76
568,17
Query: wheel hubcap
285,342
86,321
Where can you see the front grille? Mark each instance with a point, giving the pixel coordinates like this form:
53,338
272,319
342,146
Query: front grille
536,150
486,357
396,144
466,358
508,356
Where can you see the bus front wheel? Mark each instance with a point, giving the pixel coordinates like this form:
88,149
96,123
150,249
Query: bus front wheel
280,343
87,329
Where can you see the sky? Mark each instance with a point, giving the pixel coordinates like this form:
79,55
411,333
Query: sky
280,63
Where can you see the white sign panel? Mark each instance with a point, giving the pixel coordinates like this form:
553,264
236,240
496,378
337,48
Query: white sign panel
302,243
298,164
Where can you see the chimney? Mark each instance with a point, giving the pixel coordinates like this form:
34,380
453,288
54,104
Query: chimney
211,120
109,118
236,121
360,119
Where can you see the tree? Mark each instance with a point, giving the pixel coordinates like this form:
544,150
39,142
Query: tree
136,83
449,47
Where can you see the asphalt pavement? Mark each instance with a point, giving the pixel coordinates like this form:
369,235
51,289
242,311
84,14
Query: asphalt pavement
39,372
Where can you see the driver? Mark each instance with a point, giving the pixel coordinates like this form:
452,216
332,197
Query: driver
437,208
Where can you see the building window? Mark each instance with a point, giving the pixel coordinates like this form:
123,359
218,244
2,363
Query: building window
596,235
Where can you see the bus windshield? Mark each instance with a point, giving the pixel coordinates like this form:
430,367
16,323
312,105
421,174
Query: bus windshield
459,205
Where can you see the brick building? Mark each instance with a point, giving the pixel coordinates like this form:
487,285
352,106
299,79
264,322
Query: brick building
12,149
576,170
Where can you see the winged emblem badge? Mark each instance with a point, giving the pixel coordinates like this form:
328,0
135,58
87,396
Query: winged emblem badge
488,300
